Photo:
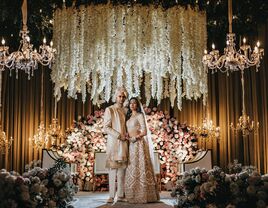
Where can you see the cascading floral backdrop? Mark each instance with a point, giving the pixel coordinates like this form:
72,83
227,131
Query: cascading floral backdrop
102,47
173,141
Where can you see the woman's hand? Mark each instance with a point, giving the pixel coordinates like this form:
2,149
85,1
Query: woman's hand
127,136
139,136
133,139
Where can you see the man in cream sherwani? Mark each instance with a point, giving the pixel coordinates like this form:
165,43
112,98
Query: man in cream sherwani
117,144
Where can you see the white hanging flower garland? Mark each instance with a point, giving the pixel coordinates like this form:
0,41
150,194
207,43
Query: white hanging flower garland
101,47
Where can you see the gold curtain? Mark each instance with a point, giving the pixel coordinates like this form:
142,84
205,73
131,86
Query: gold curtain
21,114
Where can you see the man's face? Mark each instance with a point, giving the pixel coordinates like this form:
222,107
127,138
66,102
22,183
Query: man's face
120,99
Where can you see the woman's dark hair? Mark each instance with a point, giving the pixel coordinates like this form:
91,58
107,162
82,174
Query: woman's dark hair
129,112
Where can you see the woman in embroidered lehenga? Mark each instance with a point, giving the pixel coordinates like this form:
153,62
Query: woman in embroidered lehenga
140,183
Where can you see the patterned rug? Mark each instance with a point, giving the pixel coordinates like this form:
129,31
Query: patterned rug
126,205
98,200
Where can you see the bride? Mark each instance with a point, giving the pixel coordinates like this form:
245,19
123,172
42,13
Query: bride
140,185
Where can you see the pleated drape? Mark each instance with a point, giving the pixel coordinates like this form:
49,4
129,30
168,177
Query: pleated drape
21,114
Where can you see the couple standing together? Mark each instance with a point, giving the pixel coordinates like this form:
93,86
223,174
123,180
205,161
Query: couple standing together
129,152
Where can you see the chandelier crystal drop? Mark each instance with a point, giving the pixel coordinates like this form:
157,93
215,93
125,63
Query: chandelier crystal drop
233,60
26,58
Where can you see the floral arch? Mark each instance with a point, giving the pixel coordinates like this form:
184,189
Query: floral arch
173,141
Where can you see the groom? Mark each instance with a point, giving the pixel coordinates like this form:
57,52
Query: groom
117,145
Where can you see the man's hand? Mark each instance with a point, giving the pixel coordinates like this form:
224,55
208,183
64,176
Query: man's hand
123,138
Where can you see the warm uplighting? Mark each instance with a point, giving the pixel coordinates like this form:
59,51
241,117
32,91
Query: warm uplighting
233,60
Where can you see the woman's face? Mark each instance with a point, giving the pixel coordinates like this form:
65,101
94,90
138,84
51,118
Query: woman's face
133,105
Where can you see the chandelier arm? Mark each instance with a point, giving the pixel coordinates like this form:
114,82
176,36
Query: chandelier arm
45,62
252,61
10,63
220,63
230,15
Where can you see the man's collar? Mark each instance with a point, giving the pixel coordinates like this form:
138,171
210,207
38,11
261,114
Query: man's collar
118,106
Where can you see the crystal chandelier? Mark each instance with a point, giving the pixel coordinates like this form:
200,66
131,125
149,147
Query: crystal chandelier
207,130
233,60
26,58
5,142
41,138
245,125
54,131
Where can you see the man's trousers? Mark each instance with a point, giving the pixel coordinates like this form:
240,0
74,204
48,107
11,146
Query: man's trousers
118,175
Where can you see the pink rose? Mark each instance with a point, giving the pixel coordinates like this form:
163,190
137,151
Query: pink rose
19,180
97,114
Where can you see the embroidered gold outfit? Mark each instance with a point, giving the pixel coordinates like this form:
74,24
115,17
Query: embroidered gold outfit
115,127
140,185
117,149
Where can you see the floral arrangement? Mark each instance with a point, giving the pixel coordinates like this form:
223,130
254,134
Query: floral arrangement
235,167
214,188
83,37
101,183
32,165
174,143
38,188
82,140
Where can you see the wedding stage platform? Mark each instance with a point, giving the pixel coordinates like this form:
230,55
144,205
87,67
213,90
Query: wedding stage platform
98,200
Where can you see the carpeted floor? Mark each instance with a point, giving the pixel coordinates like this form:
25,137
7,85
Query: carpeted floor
98,200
